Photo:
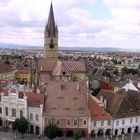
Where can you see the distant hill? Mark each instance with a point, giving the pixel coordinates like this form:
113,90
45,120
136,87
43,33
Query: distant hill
103,49
17,46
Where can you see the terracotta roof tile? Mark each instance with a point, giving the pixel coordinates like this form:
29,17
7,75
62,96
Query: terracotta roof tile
5,68
44,77
22,71
122,103
5,91
75,66
46,65
97,112
66,99
35,99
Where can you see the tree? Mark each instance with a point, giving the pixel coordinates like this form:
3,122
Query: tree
15,124
78,134
51,131
21,125
128,71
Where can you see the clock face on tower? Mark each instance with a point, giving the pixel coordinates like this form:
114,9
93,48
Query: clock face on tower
51,45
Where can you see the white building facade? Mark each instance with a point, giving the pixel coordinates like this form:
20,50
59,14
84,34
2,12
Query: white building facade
126,125
35,119
15,104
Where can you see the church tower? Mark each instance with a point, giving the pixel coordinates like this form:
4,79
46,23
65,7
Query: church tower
51,38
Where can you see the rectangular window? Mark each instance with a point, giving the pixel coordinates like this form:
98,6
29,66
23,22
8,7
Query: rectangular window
109,122
0,110
85,122
75,122
102,123
68,123
31,116
57,122
13,112
123,122
6,111
49,120
94,123
21,113
117,123
131,120
136,120
36,117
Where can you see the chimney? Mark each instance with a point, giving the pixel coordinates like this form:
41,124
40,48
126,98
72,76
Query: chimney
9,92
38,90
139,84
87,83
105,103
77,86
126,87
41,68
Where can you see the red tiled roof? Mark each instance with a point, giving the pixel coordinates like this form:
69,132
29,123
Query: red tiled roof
63,99
4,90
112,99
35,99
22,71
75,66
59,69
122,103
97,113
5,68
6,82
46,65
44,77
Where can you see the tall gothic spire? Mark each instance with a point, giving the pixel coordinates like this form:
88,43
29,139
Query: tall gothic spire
51,27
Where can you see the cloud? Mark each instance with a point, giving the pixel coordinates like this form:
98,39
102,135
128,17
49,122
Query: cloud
23,22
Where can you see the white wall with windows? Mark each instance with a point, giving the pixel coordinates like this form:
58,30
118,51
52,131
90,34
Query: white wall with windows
35,119
104,127
126,125
12,107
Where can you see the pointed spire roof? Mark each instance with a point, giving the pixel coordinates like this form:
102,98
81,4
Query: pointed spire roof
51,22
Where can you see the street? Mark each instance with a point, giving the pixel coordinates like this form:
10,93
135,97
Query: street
11,136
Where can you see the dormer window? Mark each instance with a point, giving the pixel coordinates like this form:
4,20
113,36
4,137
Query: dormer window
64,73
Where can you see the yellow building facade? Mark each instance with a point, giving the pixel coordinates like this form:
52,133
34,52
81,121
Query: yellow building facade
23,76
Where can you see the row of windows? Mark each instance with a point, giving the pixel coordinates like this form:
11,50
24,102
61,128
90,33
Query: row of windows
13,112
75,122
36,117
102,123
69,122
123,121
117,122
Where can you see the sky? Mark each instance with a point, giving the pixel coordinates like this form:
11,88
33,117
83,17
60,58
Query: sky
81,23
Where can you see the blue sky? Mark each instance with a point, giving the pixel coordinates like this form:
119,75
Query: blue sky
90,23
98,9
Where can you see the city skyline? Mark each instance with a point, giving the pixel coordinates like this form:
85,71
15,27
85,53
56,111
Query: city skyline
104,23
